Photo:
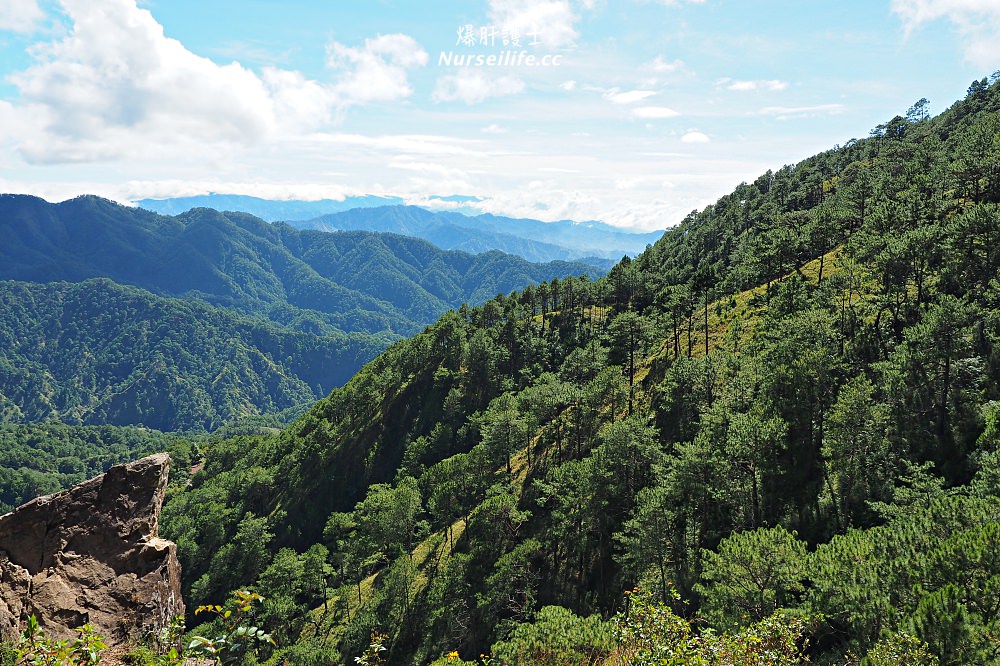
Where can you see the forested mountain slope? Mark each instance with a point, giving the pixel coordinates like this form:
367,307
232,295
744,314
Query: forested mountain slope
789,402
115,315
97,352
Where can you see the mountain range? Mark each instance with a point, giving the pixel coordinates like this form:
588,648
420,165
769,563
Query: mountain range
592,242
278,316
270,210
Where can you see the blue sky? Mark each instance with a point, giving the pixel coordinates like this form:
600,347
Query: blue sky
633,112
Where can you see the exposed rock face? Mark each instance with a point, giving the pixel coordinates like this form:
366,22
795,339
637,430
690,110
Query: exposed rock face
91,554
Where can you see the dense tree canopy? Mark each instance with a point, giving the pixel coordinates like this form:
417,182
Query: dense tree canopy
787,405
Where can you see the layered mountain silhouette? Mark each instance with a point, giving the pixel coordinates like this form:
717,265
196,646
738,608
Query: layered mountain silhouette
593,242
113,314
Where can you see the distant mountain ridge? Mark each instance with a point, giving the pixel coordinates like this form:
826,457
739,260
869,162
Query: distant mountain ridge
351,280
98,301
544,241
269,210
443,231
593,242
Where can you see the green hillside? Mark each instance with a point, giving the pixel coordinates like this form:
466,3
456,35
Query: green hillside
789,402
101,353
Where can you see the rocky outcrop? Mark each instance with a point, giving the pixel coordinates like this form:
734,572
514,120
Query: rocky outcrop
92,555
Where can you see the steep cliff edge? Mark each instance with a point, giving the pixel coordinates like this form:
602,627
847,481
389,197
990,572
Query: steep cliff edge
92,554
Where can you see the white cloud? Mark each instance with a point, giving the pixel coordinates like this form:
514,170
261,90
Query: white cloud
115,85
428,168
629,97
747,86
660,65
432,176
694,136
786,112
493,128
654,112
20,15
977,21
413,144
552,22
472,87
116,71
437,203
568,86
376,72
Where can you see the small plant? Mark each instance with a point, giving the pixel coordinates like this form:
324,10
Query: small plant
453,659
161,649
34,648
169,640
651,634
236,638
8,654
900,648
374,656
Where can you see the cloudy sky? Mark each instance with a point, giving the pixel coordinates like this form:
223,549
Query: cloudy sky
629,111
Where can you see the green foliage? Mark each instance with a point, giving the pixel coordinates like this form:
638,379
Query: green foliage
311,652
234,637
905,575
651,634
164,649
752,575
34,648
899,649
857,452
556,637
234,641
647,542
39,459
97,352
